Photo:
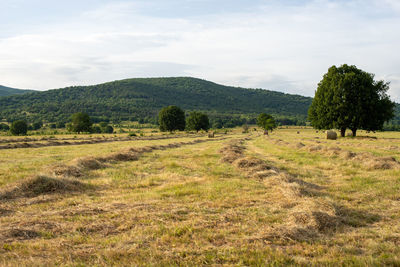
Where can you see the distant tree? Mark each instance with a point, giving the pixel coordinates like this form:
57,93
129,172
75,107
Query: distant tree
37,125
95,129
60,124
103,124
4,127
266,121
107,129
349,98
52,126
19,128
171,118
217,124
80,122
197,121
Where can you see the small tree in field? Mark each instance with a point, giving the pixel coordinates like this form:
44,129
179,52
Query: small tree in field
19,128
266,122
350,98
197,121
4,127
171,118
80,122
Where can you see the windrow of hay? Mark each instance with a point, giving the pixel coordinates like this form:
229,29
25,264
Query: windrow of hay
308,216
64,175
88,163
33,143
232,152
66,171
370,161
40,185
253,167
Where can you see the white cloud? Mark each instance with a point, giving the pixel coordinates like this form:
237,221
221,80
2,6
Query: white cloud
275,46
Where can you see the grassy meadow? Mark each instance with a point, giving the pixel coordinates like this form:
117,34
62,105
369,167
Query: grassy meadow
242,199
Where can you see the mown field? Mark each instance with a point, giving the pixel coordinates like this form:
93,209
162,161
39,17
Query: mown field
238,199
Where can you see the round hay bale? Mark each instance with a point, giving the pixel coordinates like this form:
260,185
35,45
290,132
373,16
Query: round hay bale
331,135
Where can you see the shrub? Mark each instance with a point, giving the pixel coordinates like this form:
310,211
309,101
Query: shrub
4,127
197,121
19,128
171,118
107,129
80,122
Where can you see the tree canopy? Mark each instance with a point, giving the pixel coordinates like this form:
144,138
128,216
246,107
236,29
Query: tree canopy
197,121
19,128
171,118
266,121
80,122
350,98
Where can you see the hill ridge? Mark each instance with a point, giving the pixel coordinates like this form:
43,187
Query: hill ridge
140,99
7,91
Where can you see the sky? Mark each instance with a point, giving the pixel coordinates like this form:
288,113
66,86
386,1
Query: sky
281,45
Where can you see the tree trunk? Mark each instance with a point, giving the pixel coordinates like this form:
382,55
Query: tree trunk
354,132
343,132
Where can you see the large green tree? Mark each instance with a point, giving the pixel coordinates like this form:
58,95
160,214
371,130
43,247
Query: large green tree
171,118
266,121
350,98
19,127
80,122
197,121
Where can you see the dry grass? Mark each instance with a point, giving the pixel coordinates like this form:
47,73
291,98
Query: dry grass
242,201
40,185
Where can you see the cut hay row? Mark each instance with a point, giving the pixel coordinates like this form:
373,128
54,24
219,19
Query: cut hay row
308,217
61,142
62,178
369,160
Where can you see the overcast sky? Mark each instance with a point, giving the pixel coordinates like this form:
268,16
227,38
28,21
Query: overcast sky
281,45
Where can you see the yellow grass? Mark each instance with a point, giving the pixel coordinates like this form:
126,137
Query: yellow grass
246,199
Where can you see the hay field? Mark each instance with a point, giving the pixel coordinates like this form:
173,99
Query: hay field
238,199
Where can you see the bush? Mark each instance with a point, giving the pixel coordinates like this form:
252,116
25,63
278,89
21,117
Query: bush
80,122
96,129
171,118
4,127
197,121
60,125
37,125
107,129
19,128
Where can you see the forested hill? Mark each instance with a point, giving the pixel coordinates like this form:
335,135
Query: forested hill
7,91
142,98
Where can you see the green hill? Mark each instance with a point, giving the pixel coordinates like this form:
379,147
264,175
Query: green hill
141,99
7,91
